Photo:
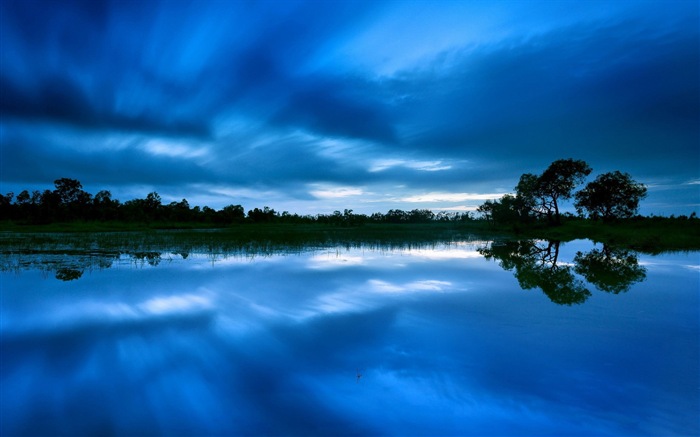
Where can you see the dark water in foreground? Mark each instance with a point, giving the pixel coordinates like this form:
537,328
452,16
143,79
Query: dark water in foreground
459,339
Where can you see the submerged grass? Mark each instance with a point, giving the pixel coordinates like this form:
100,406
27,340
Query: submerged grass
249,238
76,249
650,235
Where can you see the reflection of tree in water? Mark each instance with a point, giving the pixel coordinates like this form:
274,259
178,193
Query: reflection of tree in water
66,274
611,269
535,265
71,265
152,258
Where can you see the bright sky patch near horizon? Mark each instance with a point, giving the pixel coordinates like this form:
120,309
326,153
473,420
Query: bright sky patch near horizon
311,106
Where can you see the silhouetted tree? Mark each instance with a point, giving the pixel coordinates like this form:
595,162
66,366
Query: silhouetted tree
611,196
258,215
180,211
24,210
74,203
421,216
396,216
68,190
232,214
6,206
104,207
508,209
541,194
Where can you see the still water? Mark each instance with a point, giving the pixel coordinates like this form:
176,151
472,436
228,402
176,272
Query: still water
473,338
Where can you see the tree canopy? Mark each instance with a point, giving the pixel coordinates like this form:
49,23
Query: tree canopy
611,196
541,194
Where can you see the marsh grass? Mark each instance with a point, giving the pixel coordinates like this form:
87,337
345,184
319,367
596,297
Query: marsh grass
650,235
242,239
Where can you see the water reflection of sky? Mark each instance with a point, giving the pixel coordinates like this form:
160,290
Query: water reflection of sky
446,342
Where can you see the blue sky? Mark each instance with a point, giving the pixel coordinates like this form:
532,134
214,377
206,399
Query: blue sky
316,106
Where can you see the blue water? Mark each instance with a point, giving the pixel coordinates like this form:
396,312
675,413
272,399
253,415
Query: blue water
360,341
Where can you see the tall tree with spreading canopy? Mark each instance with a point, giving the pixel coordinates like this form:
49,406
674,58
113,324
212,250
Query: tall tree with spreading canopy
611,196
541,194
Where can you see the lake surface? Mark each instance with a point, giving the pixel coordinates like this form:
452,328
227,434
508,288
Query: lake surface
471,338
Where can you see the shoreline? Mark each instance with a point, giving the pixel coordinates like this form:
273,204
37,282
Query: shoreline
649,235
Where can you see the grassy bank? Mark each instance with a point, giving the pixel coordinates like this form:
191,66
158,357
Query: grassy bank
245,238
651,235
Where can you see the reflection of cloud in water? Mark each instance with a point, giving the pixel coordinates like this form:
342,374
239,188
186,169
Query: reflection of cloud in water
158,306
373,294
445,254
175,304
329,261
368,257
95,314
273,349
380,286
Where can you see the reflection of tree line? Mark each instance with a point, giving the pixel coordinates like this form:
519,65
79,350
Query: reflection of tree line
71,266
537,265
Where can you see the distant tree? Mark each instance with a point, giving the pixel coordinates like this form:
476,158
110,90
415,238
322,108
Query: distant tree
68,190
508,209
258,215
23,203
395,216
6,206
611,196
74,202
48,207
232,214
104,207
486,210
25,206
179,211
421,216
153,205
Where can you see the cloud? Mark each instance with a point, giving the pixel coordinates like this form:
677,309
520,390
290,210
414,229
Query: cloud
61,99
384,164
451,197
606,91
284,98
344,108
336,192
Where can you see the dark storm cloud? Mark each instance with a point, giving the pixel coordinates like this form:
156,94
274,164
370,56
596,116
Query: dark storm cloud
258,77
60,99
248,94
340,109
596,91
50,162
59,66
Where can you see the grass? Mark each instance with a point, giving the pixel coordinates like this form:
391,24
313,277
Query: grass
248,238
650,235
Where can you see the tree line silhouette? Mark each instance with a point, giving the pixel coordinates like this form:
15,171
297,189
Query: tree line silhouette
68,202
537,199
